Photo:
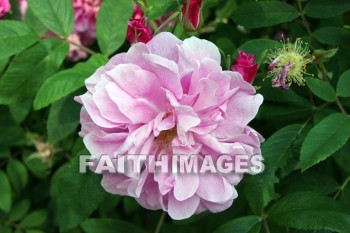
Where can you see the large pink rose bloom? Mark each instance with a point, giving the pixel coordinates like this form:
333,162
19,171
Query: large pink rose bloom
170,97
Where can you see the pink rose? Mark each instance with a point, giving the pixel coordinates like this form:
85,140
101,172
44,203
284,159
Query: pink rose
170,97
5,7
139,31
191,15
244,64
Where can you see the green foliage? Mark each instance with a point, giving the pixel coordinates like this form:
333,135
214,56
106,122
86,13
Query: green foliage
259,189
333,36
310,211
6,193
35,219
161,7
28,70
111,26
108,226
58,16
248,224
18,175
66,82
321,89
78,197
264,14
305,186
343,85
60,124
326,8
15,37
324,139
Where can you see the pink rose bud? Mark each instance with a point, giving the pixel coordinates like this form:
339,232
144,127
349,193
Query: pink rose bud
139,31
5,7
191,16
244,64
138,12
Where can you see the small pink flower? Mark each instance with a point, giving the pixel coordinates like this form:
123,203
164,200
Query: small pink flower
5,7
170,97
139,31
244,64
191,15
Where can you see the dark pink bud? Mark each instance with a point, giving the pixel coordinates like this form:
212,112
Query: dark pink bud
191,15
138,12
139,31
5,7
244,64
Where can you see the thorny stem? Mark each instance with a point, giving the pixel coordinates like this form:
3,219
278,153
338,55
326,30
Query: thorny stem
80,47
305,23
341,188
266,226
72,43
160,222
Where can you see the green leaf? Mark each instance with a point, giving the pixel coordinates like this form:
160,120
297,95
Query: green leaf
58,16
63,119
161,7
15,36
29,70
11,133
258,46
78,195
6,193
324,55
18,174
36,165
5,228
247,224
343,86
310,211
342,157
19,111
324,139
66,82
19,210
112,24
332,36
264,14
326,8
3,65
109,226
35,219
130,205
321,89
285,112
259,189
34,231
310,181
33,22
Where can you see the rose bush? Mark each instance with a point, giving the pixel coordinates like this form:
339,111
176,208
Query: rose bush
85,79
